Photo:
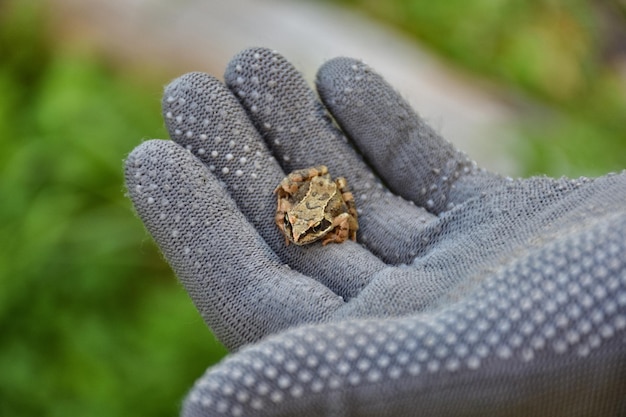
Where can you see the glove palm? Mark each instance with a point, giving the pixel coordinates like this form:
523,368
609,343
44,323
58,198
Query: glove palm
467,293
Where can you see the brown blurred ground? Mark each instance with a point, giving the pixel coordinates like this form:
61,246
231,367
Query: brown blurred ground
172,37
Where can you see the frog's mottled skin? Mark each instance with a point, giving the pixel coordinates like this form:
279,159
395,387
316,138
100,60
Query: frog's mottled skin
311,206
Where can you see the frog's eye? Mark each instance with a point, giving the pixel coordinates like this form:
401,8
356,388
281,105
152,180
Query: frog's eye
289,220
287,223
323,225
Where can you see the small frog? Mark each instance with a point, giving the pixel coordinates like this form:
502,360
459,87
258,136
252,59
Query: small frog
311,206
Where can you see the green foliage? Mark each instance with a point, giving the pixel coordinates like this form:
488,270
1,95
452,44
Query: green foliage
555,52
93,321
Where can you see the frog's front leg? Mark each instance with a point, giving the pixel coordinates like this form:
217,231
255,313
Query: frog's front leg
346,195
340,231
348,198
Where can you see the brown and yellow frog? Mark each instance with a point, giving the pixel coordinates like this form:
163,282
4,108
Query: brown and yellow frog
312,206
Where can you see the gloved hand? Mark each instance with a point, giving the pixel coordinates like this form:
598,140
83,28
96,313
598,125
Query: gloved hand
466,293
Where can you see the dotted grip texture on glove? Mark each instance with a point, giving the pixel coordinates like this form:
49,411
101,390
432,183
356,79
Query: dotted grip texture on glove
467,293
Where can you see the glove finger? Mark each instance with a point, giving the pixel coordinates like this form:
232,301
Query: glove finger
300,133
237,283
531,340
412,159
203,116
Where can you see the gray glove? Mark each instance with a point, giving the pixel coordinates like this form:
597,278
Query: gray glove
466,294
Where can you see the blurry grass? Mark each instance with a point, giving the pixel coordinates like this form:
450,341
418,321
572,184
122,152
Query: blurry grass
565,55
93,321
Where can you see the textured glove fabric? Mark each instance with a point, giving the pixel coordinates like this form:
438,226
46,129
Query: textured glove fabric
466,294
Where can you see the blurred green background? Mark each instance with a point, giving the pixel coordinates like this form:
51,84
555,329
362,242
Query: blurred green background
567,56
93,321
